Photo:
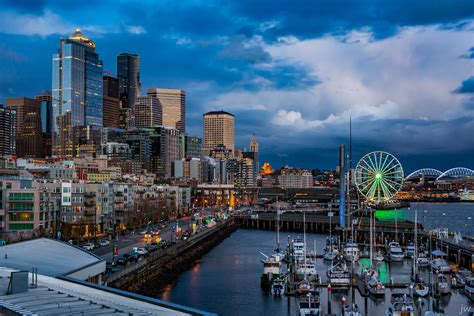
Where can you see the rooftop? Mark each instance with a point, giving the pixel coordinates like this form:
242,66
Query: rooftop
53,296
52,258
218,112
79,37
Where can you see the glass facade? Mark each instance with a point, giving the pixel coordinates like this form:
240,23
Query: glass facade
77,92
128,73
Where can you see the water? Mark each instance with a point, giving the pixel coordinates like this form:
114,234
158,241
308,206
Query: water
226,281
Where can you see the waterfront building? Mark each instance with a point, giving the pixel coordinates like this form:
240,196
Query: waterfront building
147,112
218,130
77,92
111,116
295,178
173,107
7,132
128,74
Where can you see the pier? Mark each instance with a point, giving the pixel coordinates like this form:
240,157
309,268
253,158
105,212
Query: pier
460,253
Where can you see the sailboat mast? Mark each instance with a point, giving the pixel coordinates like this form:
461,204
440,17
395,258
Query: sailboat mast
415,256
371,236
278,226
304,242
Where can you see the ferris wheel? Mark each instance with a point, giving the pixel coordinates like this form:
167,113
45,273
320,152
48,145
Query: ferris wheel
378,176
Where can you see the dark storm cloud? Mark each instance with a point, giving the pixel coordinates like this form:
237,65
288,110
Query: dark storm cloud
213,47
467,86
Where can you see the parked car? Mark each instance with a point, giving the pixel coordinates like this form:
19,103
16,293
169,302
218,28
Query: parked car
104,242
88,246
141,251
121,261
154,246
133,256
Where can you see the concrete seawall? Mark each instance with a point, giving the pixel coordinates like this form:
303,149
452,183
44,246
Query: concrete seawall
149,276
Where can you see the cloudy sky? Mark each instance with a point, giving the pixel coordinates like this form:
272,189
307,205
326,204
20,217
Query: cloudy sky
292,72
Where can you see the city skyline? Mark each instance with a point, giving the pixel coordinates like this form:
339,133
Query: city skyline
410,72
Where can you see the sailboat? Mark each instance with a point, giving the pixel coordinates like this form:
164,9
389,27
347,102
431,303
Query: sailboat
272,265
330,254
370,276
419,286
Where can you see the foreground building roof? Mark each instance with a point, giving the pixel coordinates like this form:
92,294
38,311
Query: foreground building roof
52,258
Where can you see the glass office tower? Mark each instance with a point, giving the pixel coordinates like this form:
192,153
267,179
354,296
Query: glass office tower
128,74
77,92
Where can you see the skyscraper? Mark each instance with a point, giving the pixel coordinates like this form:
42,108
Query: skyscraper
218,130
77,92
128,74
147,112
7,132
173,107
111,102
25,107
46,113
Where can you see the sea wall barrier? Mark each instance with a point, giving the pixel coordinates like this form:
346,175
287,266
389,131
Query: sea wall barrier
150,275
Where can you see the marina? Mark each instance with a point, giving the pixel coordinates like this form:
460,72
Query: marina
238,259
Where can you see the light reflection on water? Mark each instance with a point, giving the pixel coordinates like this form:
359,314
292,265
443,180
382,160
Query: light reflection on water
227,281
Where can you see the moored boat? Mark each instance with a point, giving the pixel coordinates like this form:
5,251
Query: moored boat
278,287
375,287
461,277
338,274
271,269
309,305
395,252
400,305
442,284
351,251
419,287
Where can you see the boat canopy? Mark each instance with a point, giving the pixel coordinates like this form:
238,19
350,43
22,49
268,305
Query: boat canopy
438,253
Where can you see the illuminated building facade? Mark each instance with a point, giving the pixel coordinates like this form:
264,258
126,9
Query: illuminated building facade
173,107
128,74
77,92
218,130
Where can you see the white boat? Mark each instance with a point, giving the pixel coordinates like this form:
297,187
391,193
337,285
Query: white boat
309,305
375,287
338,274
278,287
271,269
422,260
440,265
410,251
297,248
401,305
379,257
419,287
351,251
461,277
442,284
307,270
395,252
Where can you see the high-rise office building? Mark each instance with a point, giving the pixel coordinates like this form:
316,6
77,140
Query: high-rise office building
147,112
173,107
31,144
218,130
77,92
7,132
128,74
111,101
46,112
23,107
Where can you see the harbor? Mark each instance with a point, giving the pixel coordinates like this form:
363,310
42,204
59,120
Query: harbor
239,258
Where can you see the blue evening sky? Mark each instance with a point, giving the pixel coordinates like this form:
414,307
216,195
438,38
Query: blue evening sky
292,72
